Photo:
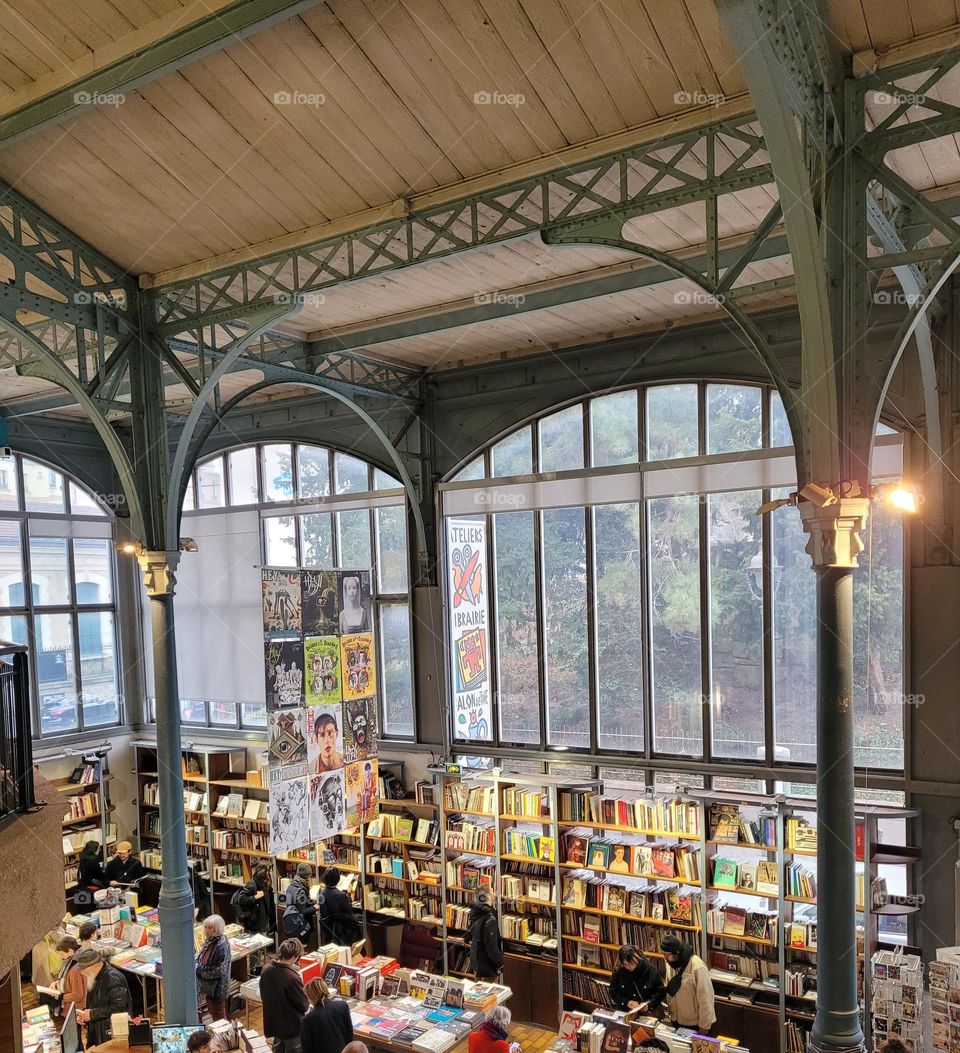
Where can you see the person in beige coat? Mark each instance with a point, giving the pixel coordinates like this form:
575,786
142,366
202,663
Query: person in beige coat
689,987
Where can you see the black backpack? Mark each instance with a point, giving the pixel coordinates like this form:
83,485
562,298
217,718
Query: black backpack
294,924
240,911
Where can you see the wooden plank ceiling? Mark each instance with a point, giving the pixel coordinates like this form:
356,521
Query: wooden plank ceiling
359,103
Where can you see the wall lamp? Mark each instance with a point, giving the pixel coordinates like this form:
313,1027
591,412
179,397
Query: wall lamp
137,548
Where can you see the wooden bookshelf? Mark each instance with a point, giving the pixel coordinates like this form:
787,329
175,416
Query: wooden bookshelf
94,823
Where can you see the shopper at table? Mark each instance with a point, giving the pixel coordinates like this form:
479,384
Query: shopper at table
107,993
70,982
490,1035
284,999
213,967
336,910
90,873
689,987
486,950
199,1042
635,983
125,868
255,902
44,966
327,1028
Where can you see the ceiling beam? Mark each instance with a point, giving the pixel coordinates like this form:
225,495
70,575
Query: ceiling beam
160,47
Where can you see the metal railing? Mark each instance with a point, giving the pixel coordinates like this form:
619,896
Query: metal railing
16,745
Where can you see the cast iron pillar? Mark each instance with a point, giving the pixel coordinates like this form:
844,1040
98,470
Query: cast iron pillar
834,545
176,895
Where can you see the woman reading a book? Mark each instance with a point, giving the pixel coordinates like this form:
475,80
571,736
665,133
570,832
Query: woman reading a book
689,987
635,983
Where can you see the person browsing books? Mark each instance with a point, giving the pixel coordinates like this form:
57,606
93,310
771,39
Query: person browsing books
336,910
490,1035
486,950
689,987
327,1028
635,983
125,867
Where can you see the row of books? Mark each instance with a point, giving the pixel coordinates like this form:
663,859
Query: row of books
151,860
85,774
468,797
81,805
396,866
751,965
247,840
801,881
470,873
384,901
469,837
457,916
512,886
425,792
192,801
534,803
586,988
610,930
522,926
74,841
738,921
800,834
420,909
646,859
196,835
728,824
533,846
659,901
234,805
388,826
650,815
750,876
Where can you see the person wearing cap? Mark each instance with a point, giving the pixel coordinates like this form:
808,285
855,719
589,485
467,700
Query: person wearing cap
107,993
689,987
486,951
299,909
125,867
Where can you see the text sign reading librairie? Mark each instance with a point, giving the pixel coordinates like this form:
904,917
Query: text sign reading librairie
469,629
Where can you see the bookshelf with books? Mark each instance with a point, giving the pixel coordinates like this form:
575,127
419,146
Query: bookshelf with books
88,814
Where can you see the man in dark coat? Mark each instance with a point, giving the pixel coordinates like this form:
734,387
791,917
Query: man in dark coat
107,993
336,911
125,867
635,983
256,913
486,952
284,999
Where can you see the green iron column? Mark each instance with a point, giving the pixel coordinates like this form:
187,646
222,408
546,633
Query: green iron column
834,544
176,895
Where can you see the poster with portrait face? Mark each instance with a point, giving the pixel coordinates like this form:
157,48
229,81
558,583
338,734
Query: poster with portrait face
359,729
321,662
286,736
357,666
324,738
282,609
362,800
320,590
289,815
327,805
354,591
283,666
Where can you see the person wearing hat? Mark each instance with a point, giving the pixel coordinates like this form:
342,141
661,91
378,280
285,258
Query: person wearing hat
300,909
125,867
635,983
486,951
107,993
689,987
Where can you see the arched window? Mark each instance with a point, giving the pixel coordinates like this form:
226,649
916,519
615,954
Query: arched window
56,594
637,602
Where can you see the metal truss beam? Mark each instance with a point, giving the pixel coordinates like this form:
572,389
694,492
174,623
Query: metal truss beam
163,47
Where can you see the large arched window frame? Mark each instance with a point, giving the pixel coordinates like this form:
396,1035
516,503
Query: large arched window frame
297,505
57,595
639,606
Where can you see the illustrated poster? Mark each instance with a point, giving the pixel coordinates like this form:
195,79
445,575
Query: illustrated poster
283,665
327,800
354,590
360,780
321,661
286,735
282,608
359,729
324,738
320,590
289,815
357,666
466,569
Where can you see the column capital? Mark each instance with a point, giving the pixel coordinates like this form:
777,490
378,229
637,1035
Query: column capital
835,530
159,571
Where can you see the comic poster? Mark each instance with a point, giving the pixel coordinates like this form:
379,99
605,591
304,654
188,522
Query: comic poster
321,666
281,603
354,594
324,738
327,812
289,815
357,666
360,782
321,602
286,736
359,729
466,573
283,665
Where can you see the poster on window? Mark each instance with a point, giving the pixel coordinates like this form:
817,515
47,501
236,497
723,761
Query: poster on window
289,815
281,603
286,736
469,642
283,668
321,661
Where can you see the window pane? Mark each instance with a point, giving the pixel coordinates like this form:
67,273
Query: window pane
42,487
613,429
473,471
81,503
188,502
11,565
884,429
382,481
281,541
93,565
354,535
733,418
350,474
316,539
223,713
672,426
794,639
253,714
313,471
192,711
619,646
565,627
736,624
779,425
13,627
392,548
48,571
561,440
9,495
395,663
668,781
277,472
516,626
242,470
98,668
676,684
878,649
209,478
513,455
56,679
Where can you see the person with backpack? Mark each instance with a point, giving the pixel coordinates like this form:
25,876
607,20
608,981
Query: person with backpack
299,911
486,951
253,903
336,911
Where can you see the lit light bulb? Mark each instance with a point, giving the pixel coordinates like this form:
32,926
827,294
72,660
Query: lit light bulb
904,498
